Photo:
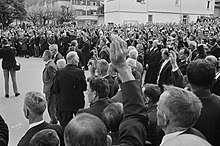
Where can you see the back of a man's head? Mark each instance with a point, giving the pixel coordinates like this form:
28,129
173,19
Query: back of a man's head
133,54
184,107
112,116
46,137
85,130
201,73
35,102
102,67
72,57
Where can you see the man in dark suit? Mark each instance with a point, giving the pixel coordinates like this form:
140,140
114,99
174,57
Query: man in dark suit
55,54
85,52
97,93
8,62
151,61
48,77
69,83
34,107
182,63
201,74
102,69
164,74
215,49
4,133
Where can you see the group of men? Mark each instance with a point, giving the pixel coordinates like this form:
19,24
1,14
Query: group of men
155,87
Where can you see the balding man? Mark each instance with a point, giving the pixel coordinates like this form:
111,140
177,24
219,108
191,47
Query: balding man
70,83
56,55
134,55
34,108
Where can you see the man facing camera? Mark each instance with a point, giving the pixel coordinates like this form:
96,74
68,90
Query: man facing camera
34,108
55,54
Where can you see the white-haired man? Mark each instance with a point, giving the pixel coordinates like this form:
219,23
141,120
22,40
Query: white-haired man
56,55
134,55
69,83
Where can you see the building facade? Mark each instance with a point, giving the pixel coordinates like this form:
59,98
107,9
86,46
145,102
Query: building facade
82,11
142,11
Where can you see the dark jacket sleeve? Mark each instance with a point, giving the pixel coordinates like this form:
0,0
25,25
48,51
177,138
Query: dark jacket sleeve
132,130
177,78
4,133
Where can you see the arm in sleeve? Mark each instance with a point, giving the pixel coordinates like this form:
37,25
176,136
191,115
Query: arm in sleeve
4,133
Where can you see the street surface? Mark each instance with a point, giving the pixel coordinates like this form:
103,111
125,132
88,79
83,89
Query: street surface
29,78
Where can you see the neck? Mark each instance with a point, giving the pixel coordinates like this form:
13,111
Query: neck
196,88
170,130
35,119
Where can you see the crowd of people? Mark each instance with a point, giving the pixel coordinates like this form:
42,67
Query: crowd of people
152,84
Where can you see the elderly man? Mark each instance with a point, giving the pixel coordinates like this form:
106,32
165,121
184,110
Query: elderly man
102,68
4,132
34,107
69,83
134,55
55,54
48,77
177,112
201,75
97,93
132,130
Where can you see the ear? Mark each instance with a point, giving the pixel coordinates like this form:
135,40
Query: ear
27,113
166,120
109,140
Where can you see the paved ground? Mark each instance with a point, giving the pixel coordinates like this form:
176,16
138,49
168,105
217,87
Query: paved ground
28,79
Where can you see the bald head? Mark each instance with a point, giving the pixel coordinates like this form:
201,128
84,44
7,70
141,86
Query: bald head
72,58
133,54
212,59
87,130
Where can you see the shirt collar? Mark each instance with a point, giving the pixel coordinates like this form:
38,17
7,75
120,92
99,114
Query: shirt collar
55,54
35,124
47,61
170,136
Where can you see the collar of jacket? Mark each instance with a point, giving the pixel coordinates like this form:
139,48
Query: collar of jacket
100,102
72,65
203,93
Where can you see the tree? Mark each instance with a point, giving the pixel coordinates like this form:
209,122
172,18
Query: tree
11,10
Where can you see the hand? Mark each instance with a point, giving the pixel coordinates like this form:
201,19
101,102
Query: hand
173,58
118,52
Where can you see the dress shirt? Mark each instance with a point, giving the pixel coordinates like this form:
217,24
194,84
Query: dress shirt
35,124
170,136
161,68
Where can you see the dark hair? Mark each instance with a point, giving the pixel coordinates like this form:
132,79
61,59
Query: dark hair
100,85
46,137
85,130
186,51
201,72
152,91
112,116
5,41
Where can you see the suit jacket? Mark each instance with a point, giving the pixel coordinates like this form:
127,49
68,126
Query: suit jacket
69,83
8,55
48,76
182,66
132,130
208,122
139,67
113,86
165,74
215,50
97,107
4,133
25,140
152,58
194,132
57,57
216,86
105,53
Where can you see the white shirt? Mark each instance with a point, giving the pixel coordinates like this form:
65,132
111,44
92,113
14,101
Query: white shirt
161,68
170,136
35,124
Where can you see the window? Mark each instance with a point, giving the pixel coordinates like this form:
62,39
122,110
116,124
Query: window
208,4
141,1
150,18
176,2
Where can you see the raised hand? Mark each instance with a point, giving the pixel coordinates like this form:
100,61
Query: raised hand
118,52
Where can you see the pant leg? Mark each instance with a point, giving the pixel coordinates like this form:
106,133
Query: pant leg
6,78
14,82
51,107
65,117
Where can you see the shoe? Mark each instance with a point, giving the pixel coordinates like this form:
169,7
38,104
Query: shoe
17,94
7,95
